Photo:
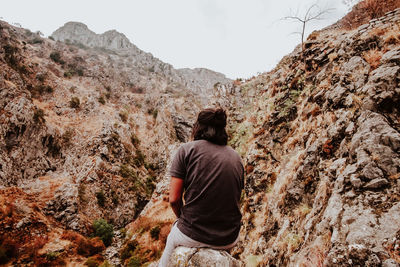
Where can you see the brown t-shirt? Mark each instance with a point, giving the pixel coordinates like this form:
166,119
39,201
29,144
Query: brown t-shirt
213,181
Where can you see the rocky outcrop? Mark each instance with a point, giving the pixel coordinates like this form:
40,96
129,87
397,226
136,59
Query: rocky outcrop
202,257
191,257
80,33
321,148
200,80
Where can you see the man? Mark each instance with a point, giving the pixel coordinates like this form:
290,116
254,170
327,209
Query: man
205,188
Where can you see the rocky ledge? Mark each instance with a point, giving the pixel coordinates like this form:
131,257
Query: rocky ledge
191,257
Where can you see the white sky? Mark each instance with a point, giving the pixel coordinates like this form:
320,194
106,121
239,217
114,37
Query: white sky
236,37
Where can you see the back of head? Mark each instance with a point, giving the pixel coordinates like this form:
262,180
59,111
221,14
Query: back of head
210,126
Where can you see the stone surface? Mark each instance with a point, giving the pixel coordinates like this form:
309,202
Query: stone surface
191,257
376,183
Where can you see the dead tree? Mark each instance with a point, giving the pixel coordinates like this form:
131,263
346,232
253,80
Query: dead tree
314,12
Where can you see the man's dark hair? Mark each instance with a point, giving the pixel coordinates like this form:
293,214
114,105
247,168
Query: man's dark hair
210,126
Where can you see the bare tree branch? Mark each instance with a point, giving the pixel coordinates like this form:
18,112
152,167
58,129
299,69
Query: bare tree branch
308,16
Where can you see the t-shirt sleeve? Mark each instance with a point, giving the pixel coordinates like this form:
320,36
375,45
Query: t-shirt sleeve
178,168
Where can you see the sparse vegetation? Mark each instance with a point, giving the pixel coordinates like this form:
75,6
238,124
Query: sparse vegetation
82,193
103,230
73,69
134,262
74,102
102,100
153,112
52,255
101,198
38,116
114,197
67,136
140,158
124,116
135,140
128,249
92,262
155,232
373,57
56,57
126,171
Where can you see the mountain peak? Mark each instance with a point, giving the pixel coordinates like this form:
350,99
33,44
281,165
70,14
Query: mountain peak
78,32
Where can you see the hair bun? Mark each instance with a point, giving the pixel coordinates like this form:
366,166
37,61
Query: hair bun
220,117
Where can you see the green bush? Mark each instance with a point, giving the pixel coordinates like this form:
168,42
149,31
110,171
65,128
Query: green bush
91,262
128,249
155,232
134,262
74,102
41,89
102,100
52,255
101,199
134,140
106,264
56,57
140,158
155,113
103,230
68,74
127,172
41,77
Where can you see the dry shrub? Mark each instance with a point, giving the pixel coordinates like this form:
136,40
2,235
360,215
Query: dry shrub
391,39
88,247
392,36
327,148
164,233
373,57
366,10
40,241
377,32
94,261
85,247
373,7
9,248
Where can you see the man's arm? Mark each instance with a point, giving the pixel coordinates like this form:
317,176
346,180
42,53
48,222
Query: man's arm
175,195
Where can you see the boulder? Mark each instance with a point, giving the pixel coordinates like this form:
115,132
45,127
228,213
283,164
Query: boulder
183,256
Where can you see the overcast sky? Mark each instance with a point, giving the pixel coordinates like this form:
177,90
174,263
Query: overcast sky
236,37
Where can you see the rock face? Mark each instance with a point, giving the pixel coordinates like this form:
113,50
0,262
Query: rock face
202,81
80,33
321,148
85,131
191,257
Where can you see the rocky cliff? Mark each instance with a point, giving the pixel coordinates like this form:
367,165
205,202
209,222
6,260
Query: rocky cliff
199,80
88,127
321,143
86,132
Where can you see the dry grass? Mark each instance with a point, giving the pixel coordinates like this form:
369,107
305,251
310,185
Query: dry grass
84,246
373,57
365,11
392,36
